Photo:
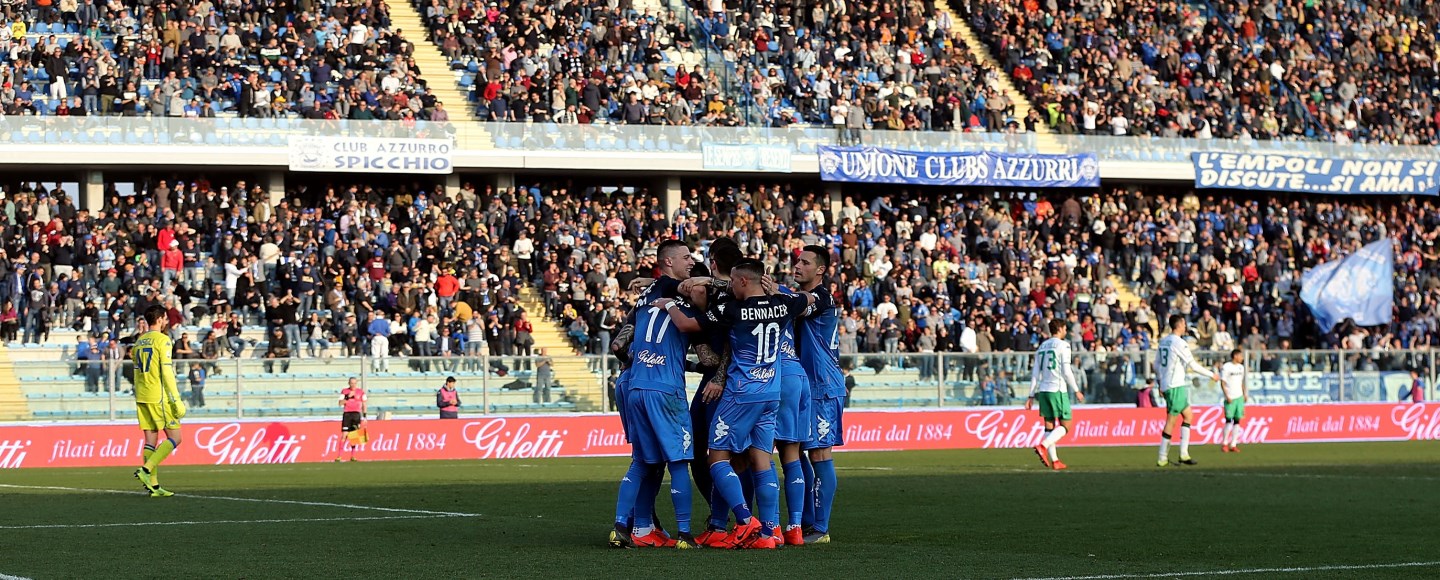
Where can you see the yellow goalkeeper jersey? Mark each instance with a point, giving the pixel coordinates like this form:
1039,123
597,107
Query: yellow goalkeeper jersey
154,372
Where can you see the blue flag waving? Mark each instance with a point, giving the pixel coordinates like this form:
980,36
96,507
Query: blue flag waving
1360,287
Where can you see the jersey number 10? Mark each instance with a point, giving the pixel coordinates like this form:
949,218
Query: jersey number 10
768,337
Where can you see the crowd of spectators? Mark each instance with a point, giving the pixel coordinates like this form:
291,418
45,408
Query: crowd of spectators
576,62
861,64
377,270
310,59
1277,69
1271,69
858,64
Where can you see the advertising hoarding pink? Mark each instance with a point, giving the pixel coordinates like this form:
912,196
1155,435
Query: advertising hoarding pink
594,435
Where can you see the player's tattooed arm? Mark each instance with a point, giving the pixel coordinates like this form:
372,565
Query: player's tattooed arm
621,344
639,284
717,384
707,356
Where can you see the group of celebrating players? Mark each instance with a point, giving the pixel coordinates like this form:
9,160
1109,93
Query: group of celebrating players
770,364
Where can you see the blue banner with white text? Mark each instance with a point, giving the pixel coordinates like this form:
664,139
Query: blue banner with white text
1266,172
978,168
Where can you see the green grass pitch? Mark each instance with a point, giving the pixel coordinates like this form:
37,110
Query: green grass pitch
1321,510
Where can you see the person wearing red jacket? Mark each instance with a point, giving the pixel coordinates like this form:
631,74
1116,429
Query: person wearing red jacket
172,261
446,286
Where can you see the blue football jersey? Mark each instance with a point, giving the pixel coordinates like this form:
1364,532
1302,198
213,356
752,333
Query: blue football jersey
657,352
789,358
662,287
817,336
756,330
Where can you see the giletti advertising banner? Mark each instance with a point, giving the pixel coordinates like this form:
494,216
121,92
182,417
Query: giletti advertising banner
595,435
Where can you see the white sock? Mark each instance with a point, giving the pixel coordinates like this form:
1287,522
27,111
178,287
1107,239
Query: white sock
1184,441
1053,437
1053,455
1235,433
1164,447
1225,436
642,532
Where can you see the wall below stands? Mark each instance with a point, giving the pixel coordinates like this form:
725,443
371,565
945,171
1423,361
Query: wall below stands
586,435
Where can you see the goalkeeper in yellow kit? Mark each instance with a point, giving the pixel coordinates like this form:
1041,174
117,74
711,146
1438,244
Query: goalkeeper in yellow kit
157,399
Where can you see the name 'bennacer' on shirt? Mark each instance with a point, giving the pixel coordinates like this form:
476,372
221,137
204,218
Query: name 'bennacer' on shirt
757,326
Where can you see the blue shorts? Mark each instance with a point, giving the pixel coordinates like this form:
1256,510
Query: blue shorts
739,426
827,430
659,426
792,420
620,404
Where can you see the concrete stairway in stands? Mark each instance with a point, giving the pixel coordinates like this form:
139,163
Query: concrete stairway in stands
433,65
583,385
1129,300
690,58
961,31
13,406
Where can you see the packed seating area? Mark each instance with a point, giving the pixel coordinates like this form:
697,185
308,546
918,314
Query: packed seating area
916,269
407,271
856,64
1349,72
568,62
318,60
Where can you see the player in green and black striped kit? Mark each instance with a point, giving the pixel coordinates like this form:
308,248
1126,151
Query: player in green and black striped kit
1051,381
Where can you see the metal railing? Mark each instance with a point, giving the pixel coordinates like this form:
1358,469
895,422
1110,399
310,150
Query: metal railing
272,136
406,386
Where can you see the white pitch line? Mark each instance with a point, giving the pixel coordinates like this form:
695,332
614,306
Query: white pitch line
337,505
196,523
9,577
1245,571
252,499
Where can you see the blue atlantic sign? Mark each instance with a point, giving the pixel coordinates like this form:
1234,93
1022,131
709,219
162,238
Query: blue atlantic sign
980,168
1264,172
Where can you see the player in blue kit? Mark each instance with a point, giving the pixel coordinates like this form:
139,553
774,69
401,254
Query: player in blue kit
722,255
744,421
792,431
817,335
635,502
658,416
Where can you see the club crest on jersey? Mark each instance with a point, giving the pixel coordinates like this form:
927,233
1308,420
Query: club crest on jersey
721,429
651,359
